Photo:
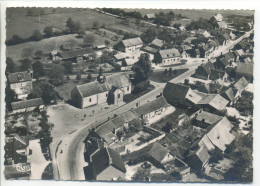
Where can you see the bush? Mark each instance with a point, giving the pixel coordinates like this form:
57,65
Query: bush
139,87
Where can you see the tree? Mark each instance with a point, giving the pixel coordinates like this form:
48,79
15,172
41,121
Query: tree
70,24
38,70
107,42
56,74
89,77
44,90
78,76
167,127
26,52
81,33
38,54
95,24
88,40
170,71
10,96
25,64
68,67
36,35
9,65
165,71
48,31
142,68
186,81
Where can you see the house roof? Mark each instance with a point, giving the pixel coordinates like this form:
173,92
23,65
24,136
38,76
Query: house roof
219,133
223,60
106,157
226,36
174,91
150,16
27,104
157,42
195,96
151,106
75,53
132,42
158,152
206,143
208,117
130,61
120,56
203,155
207,67
216,74
18,77
92,88
214,43
169,53
241,84
245,68
228,94
93,144
218,17
150,50
118,80
214,100
229,55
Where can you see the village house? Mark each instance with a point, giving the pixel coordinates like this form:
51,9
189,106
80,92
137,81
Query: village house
240,85
203,71
108,132
77,55
27,105
150,50
204,119
157,44
167,56
245,70
92,145
222,24
203,32
15,150
113,87
218,75
217,137
230,57
227,39
154,110
149,16
238,54
130,45
105,165
218,17
158,155
221,63
21,83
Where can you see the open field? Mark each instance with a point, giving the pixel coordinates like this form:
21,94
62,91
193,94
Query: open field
196,14
18,21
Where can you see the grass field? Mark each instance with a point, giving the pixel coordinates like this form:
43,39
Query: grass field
196,14
21,24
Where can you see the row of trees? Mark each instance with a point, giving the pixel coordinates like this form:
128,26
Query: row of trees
203,24
121,12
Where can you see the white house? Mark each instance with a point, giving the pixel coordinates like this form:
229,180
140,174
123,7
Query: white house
21,83
130,45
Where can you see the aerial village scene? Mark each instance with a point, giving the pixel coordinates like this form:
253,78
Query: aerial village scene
129,95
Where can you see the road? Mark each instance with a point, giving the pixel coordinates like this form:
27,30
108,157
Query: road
69,164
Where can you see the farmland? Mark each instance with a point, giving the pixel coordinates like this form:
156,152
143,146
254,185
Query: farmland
18,20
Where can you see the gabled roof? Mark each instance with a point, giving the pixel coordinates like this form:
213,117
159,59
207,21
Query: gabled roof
214,43
92,88
75,53
132,42
245,68
174,91
226,36
27,104
241,84
216,74
151,106
169,53
214,100
207,67
207,117
203,155
228,94
157,42
158,152
150,16
206,143
219,133
18,77
150,50
118,80
223,61
106,157
218,17
229,55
